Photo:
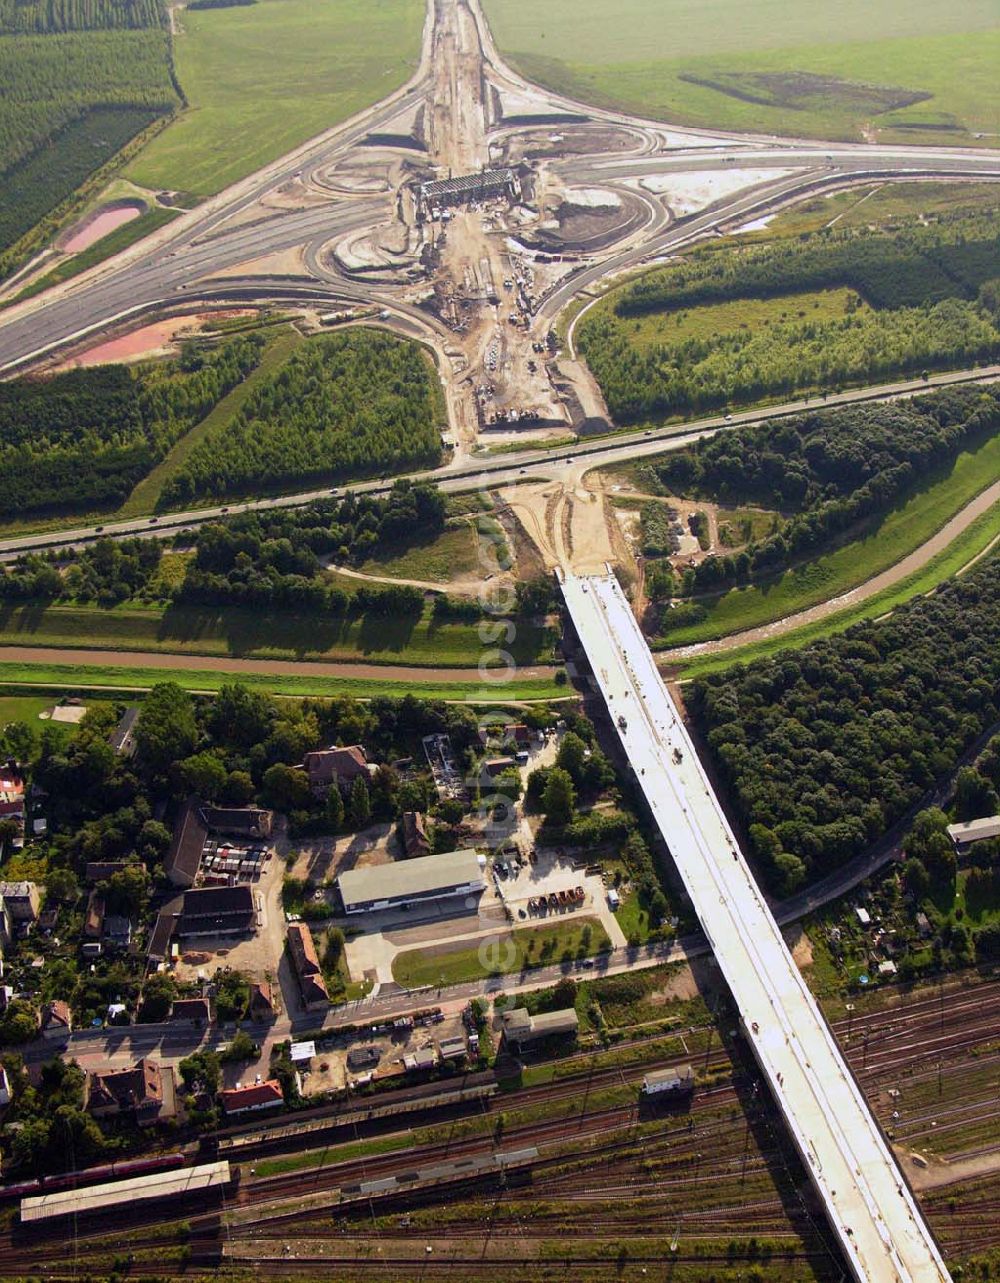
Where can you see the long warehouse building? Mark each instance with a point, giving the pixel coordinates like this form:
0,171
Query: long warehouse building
870,1206
413,882
112,1196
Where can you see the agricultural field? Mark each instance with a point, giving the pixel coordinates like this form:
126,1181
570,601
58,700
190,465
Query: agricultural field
80,441
343,406
740,324
80,80
260,79
913,73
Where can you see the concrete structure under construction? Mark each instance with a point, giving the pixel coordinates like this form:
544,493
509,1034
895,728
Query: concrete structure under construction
869,1204
488,184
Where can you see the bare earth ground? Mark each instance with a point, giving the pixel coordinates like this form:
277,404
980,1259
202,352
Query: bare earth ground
270,667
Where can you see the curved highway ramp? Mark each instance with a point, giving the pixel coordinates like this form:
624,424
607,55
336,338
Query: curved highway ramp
869,1204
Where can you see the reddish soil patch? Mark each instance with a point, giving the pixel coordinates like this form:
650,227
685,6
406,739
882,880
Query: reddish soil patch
98,224
149,340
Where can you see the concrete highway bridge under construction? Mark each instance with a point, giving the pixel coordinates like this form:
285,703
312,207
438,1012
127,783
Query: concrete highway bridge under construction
868,1202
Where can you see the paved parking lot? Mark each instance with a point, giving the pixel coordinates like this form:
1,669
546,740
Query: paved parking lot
549,874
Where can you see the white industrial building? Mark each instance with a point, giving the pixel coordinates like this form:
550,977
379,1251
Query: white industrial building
408,882
970,831
677,1081
520,1027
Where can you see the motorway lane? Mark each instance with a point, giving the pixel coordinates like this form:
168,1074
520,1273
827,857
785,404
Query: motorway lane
508,469
871,1210
173,278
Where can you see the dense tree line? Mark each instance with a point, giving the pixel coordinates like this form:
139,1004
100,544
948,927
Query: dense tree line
276,558
832,468
927,284
343,406
46,16
261,560
106,572
84,438
349,530
739,367
906,267
824,748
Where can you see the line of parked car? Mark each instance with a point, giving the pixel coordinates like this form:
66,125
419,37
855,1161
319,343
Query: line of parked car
556,900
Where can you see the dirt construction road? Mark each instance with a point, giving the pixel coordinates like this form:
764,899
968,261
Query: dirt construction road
269,667
907,566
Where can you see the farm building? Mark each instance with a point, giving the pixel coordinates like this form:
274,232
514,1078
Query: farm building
138,1091
253,1098
341,764
302,949
423,1059
183,858
429,877
414,834
218,911
453,1048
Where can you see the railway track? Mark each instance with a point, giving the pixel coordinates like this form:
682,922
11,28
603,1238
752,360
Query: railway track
723,1167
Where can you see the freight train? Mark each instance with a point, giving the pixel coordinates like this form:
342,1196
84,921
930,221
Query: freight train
120,1170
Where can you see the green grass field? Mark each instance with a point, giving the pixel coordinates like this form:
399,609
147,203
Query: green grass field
528,947
262,79
903,531
834,68
881,205
973,541
25,708
653,329
331,1154
230,632
123,677
452,555
738,526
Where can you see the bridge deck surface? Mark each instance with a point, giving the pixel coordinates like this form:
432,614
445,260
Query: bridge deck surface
870,1206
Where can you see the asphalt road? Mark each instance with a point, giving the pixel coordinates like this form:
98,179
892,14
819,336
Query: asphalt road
501,470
